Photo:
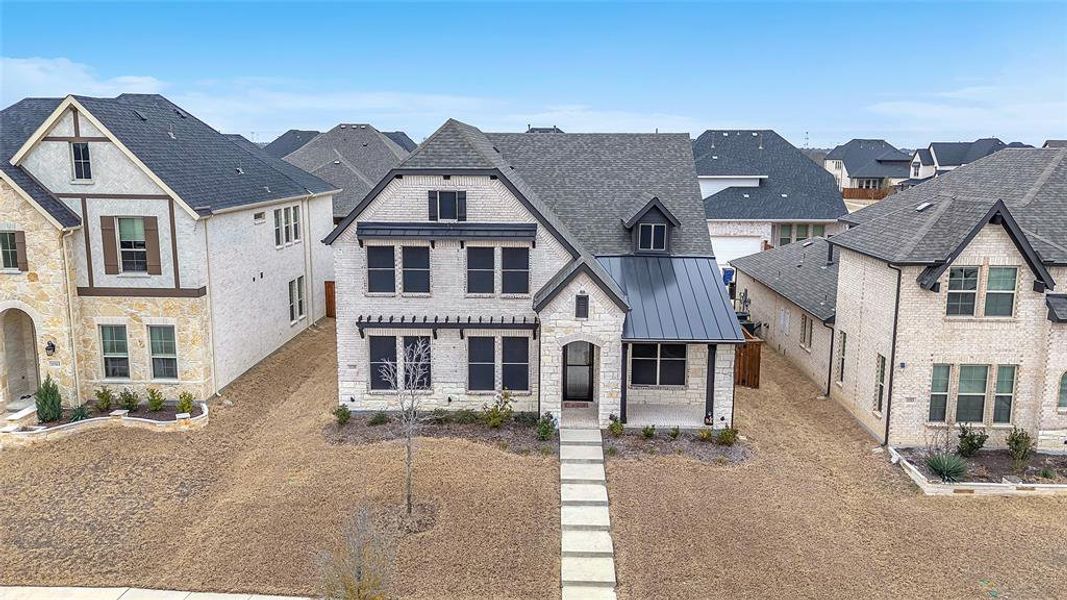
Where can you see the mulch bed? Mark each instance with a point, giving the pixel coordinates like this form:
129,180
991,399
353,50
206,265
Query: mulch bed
633,445
991,466
516,437
167,413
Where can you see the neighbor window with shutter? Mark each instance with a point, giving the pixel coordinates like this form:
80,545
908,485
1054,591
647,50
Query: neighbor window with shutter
447,205
481,270
515,270
13,250
939,392
381,269
79,152
515,367
115,351
481,363
164,350
133,251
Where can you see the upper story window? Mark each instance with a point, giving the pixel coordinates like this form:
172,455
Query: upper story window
962,290
652,237
481,268
915,169
1000,291
416,263
132,248
9,255
796,232
515,270
581,306
447,205
83,170
286,226
381,269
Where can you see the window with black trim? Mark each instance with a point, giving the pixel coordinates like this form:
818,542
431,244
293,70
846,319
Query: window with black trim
515,367
1062,402
481,267
481,363
83,170
416,263
381,269
581,306
842,346
652,237
879,383
515,270
382,352
962,291
658,364
447,205
414,375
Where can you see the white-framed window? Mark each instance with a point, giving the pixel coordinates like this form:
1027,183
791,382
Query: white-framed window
163,348
807,331
1000,291
796,232
259,218
81,164
842,346
133,252
658,364
115,351
939,380
652,237
915,169
287,226
1003,393
9,254
287,214
296,224
962,291
971,393
279,229
869,184
879,383
296,299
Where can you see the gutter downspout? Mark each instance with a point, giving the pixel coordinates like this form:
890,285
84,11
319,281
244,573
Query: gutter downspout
537,332
70,315
309,265
830,366
892,356
210,307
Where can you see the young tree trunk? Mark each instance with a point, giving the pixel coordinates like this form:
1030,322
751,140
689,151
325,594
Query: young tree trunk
407,474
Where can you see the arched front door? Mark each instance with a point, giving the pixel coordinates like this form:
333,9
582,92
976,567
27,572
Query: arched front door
578,361
18,360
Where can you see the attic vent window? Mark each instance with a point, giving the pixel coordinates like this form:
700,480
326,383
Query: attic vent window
581,306
923,206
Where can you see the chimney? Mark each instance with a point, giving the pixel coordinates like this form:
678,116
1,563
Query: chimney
829,254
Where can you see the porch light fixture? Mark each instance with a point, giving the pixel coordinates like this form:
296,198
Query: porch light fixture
50,348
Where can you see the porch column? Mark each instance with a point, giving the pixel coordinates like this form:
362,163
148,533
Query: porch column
622,378
709,393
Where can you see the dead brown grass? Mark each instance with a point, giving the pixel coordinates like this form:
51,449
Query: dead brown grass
248,502
817,514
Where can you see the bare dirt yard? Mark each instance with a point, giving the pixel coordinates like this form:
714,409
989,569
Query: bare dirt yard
816,514
247,503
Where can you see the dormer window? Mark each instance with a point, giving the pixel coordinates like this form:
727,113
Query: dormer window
80,158
652,237
448,205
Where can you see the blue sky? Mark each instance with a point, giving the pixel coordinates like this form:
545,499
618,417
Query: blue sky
910,72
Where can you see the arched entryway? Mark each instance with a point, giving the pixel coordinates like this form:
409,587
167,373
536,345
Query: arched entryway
18,360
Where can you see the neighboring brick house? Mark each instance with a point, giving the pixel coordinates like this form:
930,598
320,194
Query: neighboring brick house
867,170
945,308
563,267
761,191
141,248
942,157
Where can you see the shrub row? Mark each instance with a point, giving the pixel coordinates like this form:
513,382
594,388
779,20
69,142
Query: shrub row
49,402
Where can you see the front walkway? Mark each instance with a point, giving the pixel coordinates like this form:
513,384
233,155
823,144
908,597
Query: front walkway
587,559
122,593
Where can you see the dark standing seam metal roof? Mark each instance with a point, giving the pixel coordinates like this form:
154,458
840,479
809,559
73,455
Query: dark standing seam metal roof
795,187
1057,307
17,124
441,231
799,273
289,142
674,298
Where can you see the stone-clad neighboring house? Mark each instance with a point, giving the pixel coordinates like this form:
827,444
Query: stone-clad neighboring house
562,267
867,169
941,157
761,191
142,248
939,306
351,156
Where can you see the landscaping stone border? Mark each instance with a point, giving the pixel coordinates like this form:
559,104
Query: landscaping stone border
10,436
1006,488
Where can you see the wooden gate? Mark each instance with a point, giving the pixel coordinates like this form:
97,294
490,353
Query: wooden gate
331,300
746,363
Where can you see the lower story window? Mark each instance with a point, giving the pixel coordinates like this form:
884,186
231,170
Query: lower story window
970,397
1004,393
116,351
164,351
417,362
658,364
481,363
382,362
515,367
296,299
939,392
879,384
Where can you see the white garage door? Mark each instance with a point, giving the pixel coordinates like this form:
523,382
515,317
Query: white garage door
729,248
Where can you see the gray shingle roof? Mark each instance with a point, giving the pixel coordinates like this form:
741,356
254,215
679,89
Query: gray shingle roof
799,273
289,142
1057,307
674,299
17,123
871,158
351,157
1031,182
795,187
1055,144
954,154
401,139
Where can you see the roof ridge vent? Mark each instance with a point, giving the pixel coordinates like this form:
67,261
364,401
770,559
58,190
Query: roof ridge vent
923,206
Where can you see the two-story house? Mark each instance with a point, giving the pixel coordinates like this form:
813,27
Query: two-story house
761,191
142,248
938,307
941,157
867,170
570,269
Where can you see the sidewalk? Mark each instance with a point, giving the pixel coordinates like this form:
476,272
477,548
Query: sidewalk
122,593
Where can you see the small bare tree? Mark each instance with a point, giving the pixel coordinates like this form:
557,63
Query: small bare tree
407,380
359,568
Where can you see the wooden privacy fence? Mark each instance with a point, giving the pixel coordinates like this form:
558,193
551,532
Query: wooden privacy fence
746,364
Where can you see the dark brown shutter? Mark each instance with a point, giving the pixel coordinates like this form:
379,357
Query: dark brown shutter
107,240
433,206
151,244
20,251
461,206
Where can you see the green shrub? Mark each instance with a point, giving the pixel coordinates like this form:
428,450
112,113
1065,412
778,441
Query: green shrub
104,399
128,399
948,467
971,441
378,418
674,432
440,416
611,451
727,437
342,414
48,400
465,416
499,412
546,427
706,435
185,403
527,419
614,426
1020,447
155,400
79,413
1047,473
648,431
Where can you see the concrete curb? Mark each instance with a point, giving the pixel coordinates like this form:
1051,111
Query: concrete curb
938,488
10,437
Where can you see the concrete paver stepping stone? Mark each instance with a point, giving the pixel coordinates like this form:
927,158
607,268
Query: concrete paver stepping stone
139,594
581,472
579,436
584,517
584,493
586,592
581,453
586,542
587,569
